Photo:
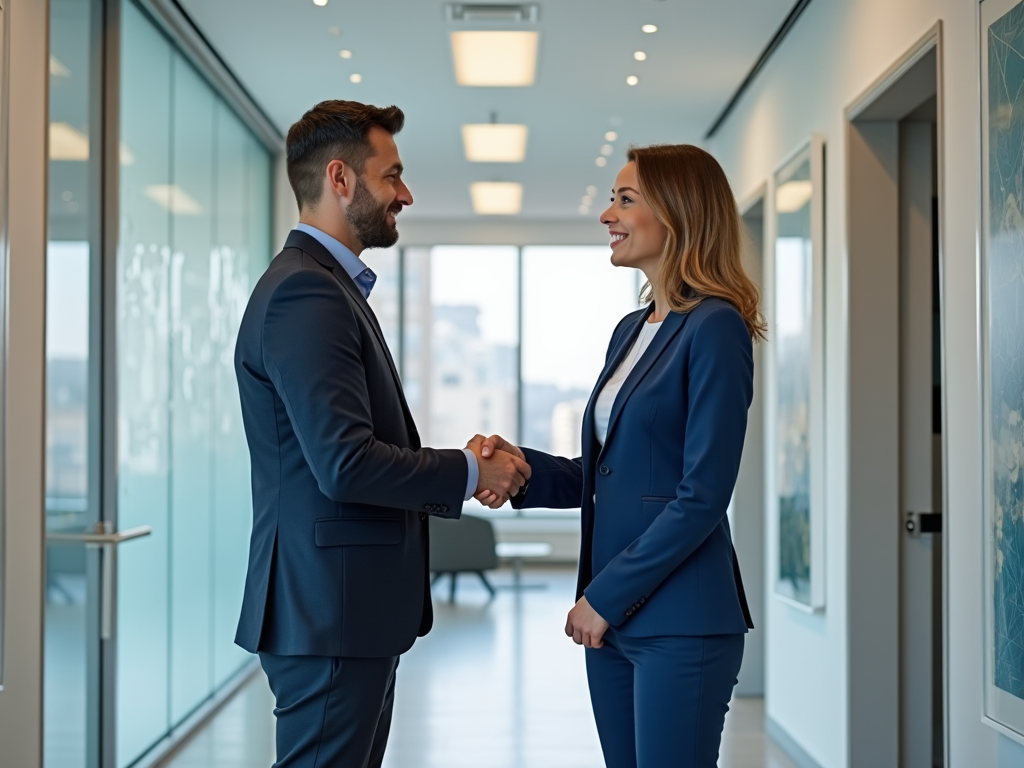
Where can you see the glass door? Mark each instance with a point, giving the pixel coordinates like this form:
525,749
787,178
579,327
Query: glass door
72,593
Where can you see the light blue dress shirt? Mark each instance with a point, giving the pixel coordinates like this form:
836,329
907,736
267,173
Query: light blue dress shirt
364,278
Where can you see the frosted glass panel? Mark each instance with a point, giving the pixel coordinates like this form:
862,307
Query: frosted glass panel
195,236
191,390
143,417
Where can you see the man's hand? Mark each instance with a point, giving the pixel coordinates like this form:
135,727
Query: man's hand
489,446
585,626
502,473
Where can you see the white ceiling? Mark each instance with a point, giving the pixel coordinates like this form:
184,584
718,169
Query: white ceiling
286,56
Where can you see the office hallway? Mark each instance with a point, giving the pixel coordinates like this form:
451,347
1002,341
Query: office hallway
495,685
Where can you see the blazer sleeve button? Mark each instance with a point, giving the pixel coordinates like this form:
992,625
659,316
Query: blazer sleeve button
423,516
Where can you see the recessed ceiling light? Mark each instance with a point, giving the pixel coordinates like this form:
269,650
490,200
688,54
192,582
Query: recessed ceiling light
345,53
632,80
495,58
587,200
501,198
591,190
355,78
793,195
321,3
640,56
494,142
607,149
584,210
336,31
610,136
174,199
650,29
601,162
68,143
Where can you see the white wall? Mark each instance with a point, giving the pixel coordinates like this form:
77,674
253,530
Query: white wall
836,50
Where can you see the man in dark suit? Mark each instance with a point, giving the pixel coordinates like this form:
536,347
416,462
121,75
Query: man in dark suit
337,585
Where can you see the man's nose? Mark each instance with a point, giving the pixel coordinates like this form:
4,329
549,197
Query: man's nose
404,195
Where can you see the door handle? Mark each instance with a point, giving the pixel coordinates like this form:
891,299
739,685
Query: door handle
103,536
918,523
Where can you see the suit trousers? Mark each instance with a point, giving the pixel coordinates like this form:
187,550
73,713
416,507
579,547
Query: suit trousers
332,712
660,702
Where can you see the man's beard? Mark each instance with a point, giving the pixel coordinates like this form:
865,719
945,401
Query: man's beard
369,219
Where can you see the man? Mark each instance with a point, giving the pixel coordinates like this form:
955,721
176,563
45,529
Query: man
337,586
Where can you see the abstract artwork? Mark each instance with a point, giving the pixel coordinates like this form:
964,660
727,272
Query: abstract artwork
1003,374
796,313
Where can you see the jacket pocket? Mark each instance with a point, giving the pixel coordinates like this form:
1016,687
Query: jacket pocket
654,506
356,532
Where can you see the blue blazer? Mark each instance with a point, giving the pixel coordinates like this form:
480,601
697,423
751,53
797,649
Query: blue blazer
657,555
341,488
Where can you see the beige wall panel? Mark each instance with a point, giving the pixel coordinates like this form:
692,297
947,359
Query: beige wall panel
21,698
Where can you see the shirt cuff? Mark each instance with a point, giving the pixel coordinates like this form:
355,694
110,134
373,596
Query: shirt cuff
474,473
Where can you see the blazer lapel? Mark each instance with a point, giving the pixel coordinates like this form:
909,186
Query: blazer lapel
618,353
298,239
669,328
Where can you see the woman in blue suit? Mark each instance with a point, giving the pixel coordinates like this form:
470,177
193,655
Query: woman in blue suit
661,608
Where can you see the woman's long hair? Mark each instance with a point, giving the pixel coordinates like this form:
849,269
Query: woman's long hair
689,194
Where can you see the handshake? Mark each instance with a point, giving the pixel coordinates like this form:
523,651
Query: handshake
503,469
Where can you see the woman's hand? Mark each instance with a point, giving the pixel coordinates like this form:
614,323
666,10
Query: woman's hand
585,626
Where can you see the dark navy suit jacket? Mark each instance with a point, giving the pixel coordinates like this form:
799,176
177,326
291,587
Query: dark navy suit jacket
341,487
657,555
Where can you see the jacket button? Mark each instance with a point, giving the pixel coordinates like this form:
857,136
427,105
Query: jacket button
629,612
428,507
604,470
444,509
423,516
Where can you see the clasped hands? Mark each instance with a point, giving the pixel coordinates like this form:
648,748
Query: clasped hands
503,472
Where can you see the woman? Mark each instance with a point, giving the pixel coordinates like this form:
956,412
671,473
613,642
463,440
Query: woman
661,608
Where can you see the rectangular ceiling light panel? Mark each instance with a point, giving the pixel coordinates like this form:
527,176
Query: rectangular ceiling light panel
502,59
494,143
502,198
492,14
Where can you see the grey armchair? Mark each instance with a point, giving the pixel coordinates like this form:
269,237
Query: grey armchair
459,546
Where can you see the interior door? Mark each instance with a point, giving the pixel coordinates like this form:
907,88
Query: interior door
920,455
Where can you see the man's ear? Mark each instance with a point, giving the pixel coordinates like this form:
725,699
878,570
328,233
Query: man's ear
341,179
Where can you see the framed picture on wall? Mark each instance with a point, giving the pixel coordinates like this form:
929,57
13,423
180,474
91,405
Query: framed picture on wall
1002,323
796,377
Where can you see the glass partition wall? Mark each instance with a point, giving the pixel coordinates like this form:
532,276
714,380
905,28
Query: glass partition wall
195,235
194,206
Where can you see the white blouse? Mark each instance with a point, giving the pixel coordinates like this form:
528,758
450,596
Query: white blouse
605,400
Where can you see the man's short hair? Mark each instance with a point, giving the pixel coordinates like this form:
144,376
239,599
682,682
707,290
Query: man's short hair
333,130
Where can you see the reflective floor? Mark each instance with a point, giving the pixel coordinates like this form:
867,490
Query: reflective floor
495,685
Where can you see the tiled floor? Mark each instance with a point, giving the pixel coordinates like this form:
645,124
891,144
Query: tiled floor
495,685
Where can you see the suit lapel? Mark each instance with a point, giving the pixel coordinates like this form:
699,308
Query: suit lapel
669,328
618,353
314,248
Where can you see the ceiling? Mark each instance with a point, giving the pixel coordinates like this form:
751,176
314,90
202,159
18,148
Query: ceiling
286,54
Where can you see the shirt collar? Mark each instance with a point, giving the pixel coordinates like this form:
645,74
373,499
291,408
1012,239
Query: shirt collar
354,267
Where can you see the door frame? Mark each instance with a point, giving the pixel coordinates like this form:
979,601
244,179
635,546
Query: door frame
26,52
873,611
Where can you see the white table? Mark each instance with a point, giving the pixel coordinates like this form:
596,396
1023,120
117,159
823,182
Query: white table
517,551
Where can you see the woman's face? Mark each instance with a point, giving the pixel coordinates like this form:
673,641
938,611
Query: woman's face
637,237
